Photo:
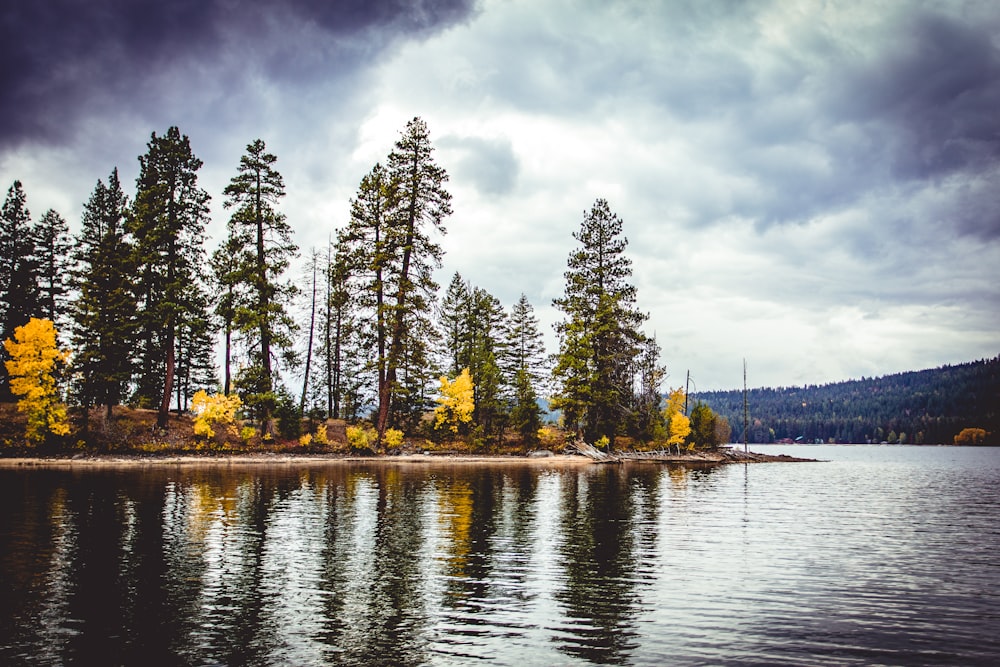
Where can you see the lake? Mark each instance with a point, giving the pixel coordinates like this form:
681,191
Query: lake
879,555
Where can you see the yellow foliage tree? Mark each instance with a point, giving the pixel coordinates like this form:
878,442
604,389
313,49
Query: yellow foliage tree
33,358
678,425
971,436
456,402
217,409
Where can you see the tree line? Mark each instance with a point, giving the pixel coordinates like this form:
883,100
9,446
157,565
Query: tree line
930,406
140,302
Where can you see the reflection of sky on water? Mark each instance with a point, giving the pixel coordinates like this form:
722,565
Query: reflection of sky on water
519,565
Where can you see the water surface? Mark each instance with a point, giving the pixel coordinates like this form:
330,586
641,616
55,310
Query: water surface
881,555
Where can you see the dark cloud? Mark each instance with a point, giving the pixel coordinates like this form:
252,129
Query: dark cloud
63,59
934,90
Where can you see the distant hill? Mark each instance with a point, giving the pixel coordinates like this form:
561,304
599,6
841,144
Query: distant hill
919,407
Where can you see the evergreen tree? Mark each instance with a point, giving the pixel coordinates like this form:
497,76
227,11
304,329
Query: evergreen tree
390,256
423,203
340,371
19,297
52,250
262,319
483,355
195,369
225,264
647,418
369,251
599,336
452,322
104,311
168,223
526,359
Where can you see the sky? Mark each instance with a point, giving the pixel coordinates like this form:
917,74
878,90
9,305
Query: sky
810,186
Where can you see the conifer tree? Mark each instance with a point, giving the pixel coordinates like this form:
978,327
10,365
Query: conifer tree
526,362
369,251
647,418
262,318
19,298
600,333
168,224
340,372
452,320
485,350
423,204
225,264
391,256
52,251
104,311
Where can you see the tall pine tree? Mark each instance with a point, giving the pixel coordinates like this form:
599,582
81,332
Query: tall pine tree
19,297
168,225
262,319
423,204
52,251
104,311
600,334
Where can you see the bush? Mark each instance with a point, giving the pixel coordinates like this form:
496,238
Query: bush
393,437
321,438
359,438
217,410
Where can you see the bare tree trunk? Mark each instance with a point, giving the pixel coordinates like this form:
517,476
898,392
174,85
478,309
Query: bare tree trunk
309,347
168,381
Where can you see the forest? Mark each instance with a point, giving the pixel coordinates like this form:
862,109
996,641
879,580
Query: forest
136,311
920,407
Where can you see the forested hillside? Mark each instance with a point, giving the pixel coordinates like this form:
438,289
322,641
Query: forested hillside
929,406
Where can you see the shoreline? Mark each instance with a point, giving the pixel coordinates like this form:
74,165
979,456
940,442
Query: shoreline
306,460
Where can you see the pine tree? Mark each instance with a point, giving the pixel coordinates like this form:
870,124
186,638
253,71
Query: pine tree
262,319
452,321
369,255
225,264
19,297
391,257
340,369
195,369
526,362
600,333
168,224
104,311
52,250
647,418
423,204
486,348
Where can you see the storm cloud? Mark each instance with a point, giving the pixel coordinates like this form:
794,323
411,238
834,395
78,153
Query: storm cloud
812,186
61,60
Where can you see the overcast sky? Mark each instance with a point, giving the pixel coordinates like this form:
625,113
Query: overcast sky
812,186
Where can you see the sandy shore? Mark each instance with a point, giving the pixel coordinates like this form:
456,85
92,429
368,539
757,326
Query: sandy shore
285,459
305,460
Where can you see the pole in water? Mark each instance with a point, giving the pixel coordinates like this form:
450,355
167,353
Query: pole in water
687,391
746,408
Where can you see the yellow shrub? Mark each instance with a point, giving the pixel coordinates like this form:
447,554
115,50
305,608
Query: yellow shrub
393,437
359,437
217,409
247,433
305,439
320,438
